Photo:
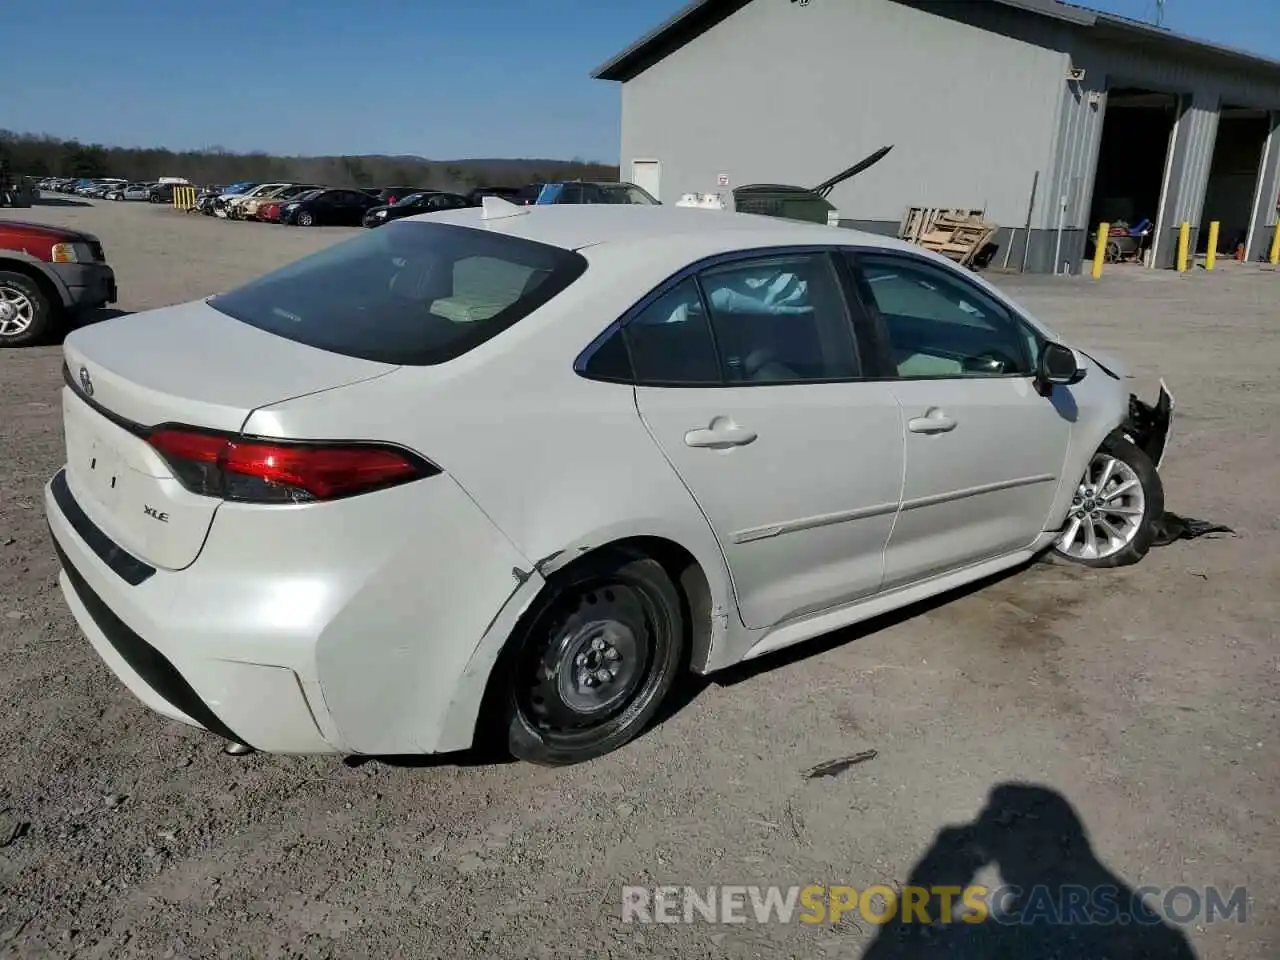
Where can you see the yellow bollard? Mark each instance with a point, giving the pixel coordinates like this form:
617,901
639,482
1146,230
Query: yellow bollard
1100,249
1211,257
1275,246
1184,244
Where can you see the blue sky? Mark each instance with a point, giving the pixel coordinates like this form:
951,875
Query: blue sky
446,80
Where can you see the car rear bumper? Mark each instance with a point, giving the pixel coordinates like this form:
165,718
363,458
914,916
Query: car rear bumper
119,603
294,631
88,285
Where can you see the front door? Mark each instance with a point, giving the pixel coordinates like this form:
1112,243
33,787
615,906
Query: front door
749,381
984,450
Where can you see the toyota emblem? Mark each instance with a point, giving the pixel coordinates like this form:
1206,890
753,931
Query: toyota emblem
86,384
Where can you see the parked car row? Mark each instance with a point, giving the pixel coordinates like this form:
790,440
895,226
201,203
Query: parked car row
309,204
114,188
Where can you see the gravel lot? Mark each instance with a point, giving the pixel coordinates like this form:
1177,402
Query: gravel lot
1147,698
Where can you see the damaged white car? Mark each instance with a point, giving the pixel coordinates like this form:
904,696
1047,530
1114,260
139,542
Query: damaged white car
510,470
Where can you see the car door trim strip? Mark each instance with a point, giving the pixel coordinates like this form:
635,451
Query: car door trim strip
881,509
937,498
810,523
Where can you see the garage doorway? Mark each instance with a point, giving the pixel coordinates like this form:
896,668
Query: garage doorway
1134,164
647,175
1234,177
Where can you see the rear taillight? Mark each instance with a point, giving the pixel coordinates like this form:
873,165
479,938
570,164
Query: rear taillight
254,470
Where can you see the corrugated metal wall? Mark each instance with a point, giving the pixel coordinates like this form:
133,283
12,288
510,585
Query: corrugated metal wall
1205,90
975,97
784,93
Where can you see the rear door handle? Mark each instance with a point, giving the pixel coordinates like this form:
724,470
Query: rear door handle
934,421
720,435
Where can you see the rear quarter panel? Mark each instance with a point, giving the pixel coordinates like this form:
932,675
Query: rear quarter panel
559,463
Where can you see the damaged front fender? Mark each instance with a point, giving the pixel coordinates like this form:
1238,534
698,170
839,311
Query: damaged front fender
1148,426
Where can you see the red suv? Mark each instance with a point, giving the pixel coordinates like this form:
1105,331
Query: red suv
47,274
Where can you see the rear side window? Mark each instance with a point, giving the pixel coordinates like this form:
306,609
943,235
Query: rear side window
406,293
670,341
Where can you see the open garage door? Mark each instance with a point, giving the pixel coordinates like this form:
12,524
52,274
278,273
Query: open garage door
1134,165
1235,178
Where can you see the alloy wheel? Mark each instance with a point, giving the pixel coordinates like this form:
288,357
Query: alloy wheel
1106,512
17,312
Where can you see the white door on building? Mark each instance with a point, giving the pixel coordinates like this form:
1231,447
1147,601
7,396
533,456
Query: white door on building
647,175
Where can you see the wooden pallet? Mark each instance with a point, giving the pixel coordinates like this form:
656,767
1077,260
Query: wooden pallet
955,233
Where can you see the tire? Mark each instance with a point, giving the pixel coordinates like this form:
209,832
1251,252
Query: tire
26,315
616,613
1128,465
305,219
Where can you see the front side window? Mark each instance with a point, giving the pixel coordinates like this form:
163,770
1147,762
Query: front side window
940,325
408,293
780,319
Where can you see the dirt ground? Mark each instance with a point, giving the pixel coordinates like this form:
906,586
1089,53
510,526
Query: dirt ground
1146,698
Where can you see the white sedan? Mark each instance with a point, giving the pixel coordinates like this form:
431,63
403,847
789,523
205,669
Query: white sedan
509,470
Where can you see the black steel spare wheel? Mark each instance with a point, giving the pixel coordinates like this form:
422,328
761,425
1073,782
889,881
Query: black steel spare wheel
596,661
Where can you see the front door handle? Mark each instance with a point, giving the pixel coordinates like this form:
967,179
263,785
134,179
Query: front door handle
933,421
721,434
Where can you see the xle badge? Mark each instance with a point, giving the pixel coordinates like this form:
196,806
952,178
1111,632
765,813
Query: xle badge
155,514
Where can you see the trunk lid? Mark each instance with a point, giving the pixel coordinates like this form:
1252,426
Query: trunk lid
187,364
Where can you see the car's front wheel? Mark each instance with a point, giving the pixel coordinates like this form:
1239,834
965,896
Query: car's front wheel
1111,522
26,315
305,219
595,661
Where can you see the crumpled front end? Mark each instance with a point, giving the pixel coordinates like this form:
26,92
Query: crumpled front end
1148,425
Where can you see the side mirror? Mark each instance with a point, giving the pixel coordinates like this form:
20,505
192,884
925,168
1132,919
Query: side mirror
1059,366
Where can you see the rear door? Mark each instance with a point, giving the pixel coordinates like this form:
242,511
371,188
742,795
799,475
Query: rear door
984,450
749,380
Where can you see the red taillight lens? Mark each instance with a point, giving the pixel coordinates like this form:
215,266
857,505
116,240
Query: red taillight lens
266,471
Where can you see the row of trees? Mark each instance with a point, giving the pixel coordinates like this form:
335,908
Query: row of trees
45,156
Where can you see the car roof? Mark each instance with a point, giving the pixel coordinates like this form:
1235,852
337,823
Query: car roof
576,226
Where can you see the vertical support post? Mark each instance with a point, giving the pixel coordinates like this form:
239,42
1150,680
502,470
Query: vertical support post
1184,245
1211,257
1275,246
1100,249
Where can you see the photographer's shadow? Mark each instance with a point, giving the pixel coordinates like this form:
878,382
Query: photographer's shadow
1067,905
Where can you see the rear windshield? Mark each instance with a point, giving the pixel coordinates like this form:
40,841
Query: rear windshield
406,293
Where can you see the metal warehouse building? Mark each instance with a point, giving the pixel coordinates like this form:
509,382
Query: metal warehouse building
1007,106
